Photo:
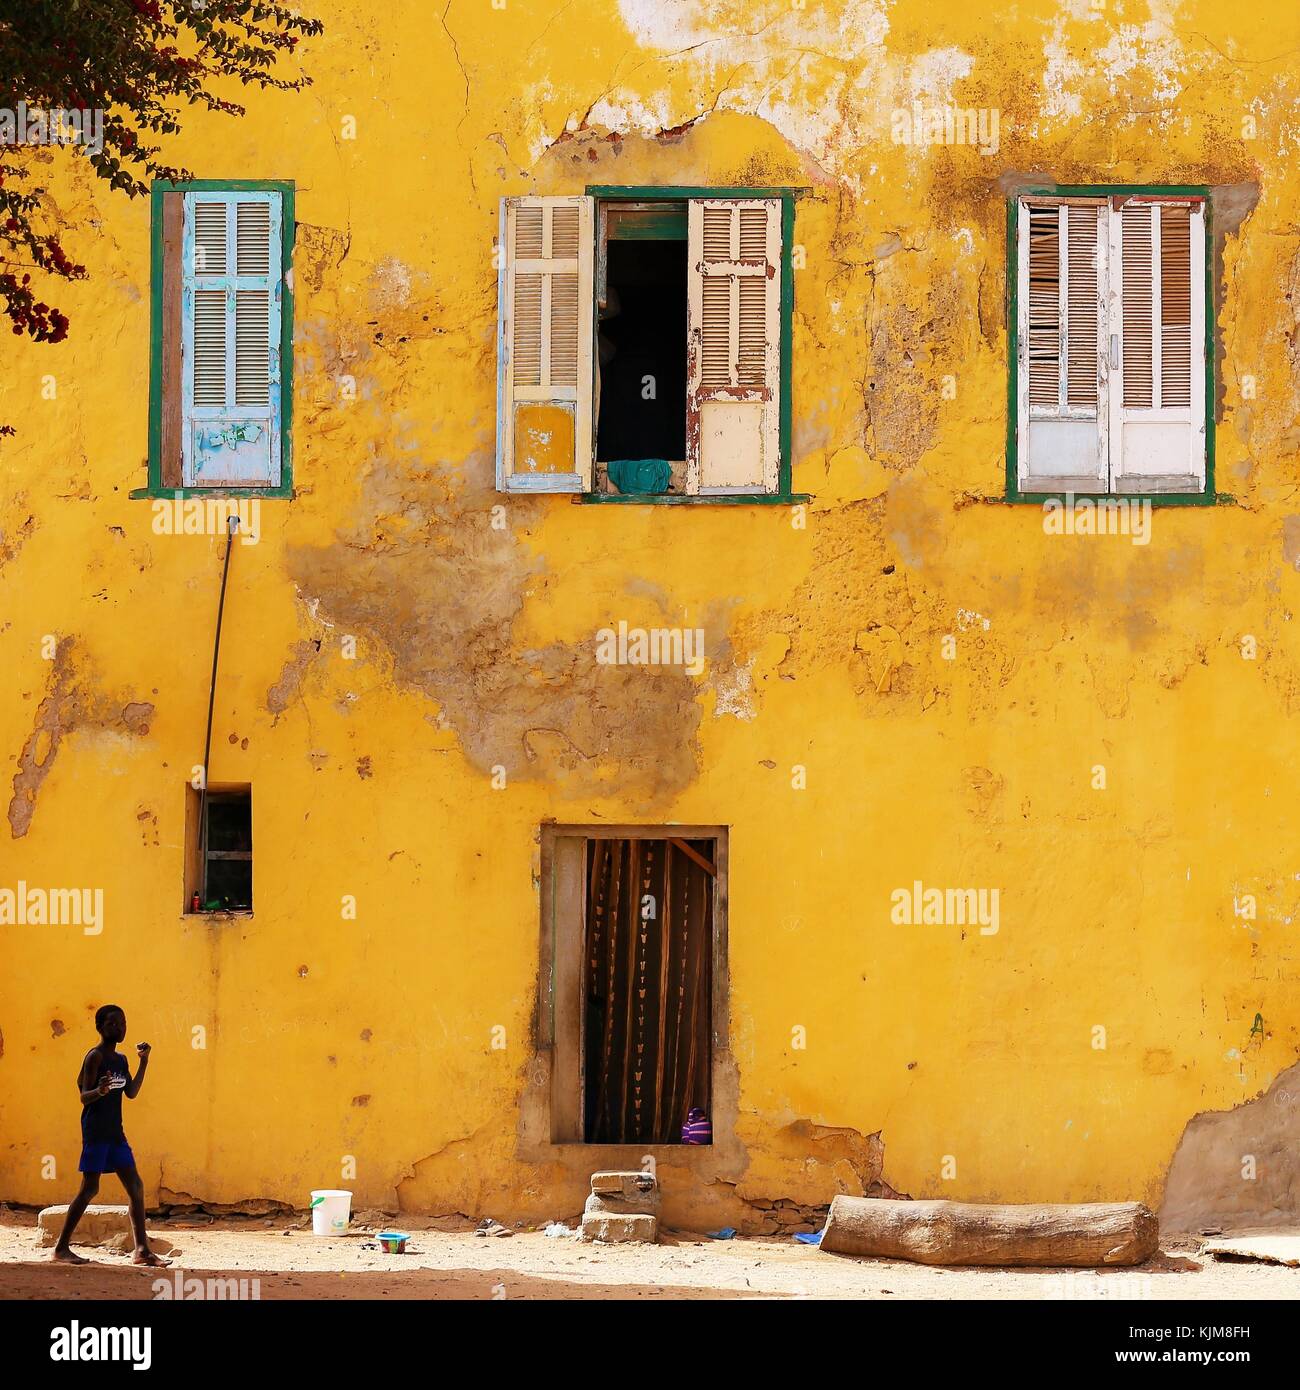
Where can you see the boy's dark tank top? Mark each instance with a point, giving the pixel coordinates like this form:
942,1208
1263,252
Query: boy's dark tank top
101,1118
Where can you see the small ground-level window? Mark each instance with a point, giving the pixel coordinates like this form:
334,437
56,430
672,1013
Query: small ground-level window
1110,371
219,843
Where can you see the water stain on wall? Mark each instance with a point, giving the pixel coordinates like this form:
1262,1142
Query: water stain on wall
424,572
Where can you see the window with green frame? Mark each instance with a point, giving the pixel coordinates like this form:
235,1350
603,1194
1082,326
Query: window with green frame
1111,371
644,344
221,361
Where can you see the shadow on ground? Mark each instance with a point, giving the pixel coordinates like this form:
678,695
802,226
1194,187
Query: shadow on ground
40,1280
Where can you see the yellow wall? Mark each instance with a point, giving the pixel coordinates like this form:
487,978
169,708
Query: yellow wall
372,777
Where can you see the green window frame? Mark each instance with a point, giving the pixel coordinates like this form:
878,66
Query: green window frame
160,335
1207,495
783,496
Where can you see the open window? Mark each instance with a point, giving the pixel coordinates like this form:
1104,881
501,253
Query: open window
641,346
635,1015
1110,367
641,372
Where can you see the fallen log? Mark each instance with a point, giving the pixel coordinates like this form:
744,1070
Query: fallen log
970,1233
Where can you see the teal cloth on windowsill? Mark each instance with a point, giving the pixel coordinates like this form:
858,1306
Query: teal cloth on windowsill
640,475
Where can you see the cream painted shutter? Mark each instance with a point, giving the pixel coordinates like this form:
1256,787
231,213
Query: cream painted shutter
231,287
1157,401
1061,373
544,363
733,322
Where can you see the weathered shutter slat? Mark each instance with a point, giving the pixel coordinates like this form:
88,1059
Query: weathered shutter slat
733,345
1061,295
715,333
527,336
1175,307
253,238
1081,367
1137,291
564,329
1044,297
252,347
544,367
210,219
209,355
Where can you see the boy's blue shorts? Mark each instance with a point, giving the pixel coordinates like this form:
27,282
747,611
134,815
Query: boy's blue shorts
106,1156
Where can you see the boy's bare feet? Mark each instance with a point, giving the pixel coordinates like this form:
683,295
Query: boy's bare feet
65,1256
147,1257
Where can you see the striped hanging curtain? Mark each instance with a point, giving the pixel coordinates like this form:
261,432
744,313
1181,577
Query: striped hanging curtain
648,988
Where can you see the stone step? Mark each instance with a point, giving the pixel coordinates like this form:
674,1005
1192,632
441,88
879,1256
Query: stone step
102,1226
643,1204
97,1227
628,1186
611,1229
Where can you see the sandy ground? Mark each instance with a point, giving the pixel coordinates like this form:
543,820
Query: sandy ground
530,1265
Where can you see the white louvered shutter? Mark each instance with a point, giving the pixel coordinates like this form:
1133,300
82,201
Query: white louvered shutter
546,330
733,321
231,292
1157,399
1061,372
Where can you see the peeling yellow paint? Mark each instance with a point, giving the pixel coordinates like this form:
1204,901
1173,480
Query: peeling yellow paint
543,439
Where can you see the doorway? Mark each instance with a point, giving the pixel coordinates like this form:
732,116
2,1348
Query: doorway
632,1018
647,988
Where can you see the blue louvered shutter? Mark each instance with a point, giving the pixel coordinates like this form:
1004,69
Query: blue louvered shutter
230,308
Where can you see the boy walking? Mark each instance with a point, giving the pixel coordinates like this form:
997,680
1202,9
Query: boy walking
104,1076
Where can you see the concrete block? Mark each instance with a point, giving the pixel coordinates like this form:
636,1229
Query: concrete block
641,1205
611,1229
97,1227
628,1187
103,1227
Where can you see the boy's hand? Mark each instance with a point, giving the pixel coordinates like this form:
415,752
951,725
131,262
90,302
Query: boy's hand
143,1049
105,1083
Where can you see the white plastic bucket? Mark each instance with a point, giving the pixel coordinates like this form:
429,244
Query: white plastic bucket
331,1209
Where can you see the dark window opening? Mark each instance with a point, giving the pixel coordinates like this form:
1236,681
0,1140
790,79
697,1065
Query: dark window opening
648,1058
221,877
641,345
